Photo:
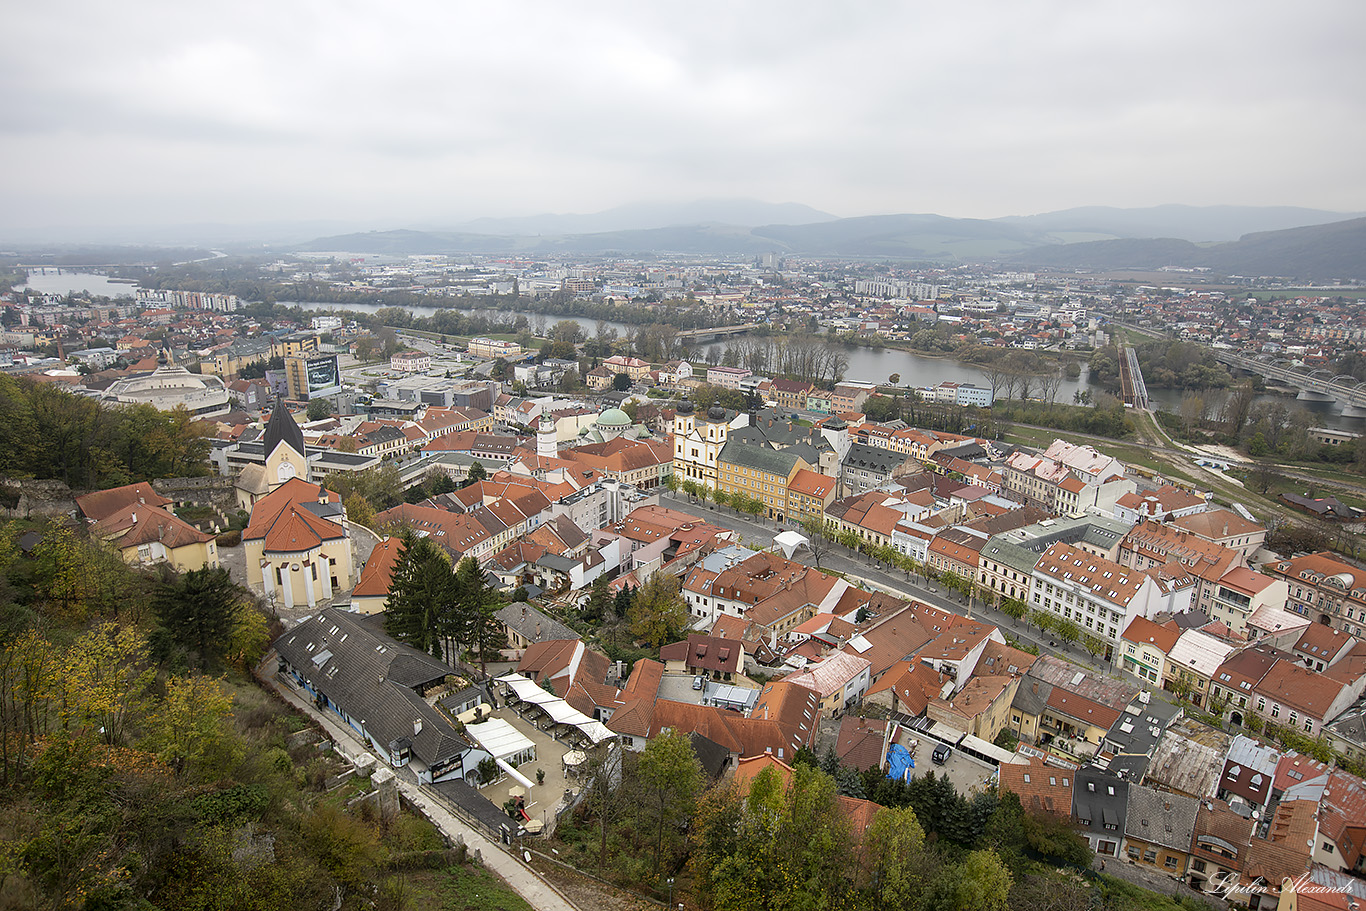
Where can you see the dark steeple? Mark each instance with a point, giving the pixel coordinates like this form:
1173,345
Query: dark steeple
283,429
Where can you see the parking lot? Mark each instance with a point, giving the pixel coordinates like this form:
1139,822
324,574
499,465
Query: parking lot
966,773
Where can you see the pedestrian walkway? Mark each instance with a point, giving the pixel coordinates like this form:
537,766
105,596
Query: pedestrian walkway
525,881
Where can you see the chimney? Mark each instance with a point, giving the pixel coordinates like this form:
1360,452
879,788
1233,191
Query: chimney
417,726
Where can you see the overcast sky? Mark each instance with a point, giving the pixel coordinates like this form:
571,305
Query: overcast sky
432,112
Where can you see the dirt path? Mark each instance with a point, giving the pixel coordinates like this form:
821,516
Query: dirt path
586,891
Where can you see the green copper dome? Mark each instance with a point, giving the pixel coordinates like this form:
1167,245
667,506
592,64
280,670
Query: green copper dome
614,417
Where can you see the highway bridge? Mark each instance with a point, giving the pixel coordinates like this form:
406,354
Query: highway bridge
716,333
1314,385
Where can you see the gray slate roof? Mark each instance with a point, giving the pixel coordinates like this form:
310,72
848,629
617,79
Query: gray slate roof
873,458
376,680
1161,818
532,625
761,458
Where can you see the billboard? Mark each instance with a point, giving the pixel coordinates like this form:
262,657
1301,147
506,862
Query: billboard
323,376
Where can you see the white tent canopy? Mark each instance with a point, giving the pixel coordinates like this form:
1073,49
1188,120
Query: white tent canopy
560,712
789,541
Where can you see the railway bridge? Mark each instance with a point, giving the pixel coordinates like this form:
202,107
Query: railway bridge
1320,385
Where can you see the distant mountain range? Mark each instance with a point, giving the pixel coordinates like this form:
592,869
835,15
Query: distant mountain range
1306,244
647,216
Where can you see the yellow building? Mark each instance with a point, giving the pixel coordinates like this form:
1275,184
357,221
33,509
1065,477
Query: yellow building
758,472
147,535
808,494
297,545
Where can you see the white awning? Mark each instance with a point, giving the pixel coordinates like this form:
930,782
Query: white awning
499,738
560,712
516,775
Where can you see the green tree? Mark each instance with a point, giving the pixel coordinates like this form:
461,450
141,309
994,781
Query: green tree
671,482
722,497
980,883
599,602
817,544
669,777
473,618
199,608
658,612
318,410
421,589
1067,630
476,473
621,382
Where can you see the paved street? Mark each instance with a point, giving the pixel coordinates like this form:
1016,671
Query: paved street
872,574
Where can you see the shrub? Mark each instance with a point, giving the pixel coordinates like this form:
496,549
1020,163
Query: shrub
230,538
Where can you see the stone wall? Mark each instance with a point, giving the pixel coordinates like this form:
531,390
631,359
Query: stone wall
27,498
208,491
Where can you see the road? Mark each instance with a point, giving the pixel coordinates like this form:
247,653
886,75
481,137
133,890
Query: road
874,575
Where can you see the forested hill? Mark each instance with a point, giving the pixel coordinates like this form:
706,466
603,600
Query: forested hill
1317,253
46,432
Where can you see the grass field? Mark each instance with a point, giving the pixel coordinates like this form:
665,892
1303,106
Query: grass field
467,887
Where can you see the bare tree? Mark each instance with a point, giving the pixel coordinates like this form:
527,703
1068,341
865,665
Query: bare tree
1048,385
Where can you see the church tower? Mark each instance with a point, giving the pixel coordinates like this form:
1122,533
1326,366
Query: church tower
547,446
284,447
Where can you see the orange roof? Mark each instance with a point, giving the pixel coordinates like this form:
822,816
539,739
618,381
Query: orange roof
811,484
281,519
1041,788
1164,636
104,503
1111,581
137,524
379,569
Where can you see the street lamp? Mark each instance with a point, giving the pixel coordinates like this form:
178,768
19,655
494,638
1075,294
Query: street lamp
671,891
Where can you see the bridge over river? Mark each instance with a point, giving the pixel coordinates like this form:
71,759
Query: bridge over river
716,333
1319,385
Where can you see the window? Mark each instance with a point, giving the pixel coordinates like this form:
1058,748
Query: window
1169,862
1149,856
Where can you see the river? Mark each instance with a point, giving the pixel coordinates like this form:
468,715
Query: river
51,280
873,365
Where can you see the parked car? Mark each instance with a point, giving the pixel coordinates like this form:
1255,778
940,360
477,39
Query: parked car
941,754
698,682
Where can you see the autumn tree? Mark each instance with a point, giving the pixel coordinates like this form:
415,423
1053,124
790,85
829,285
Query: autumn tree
658,612
105,677
191,731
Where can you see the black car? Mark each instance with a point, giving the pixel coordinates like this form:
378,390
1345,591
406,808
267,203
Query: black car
941,754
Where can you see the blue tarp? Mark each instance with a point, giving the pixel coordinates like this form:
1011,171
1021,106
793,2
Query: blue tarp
899,762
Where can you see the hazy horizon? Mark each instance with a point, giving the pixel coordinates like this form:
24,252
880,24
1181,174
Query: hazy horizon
152,114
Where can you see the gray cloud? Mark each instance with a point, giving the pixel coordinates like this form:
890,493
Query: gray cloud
155,112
